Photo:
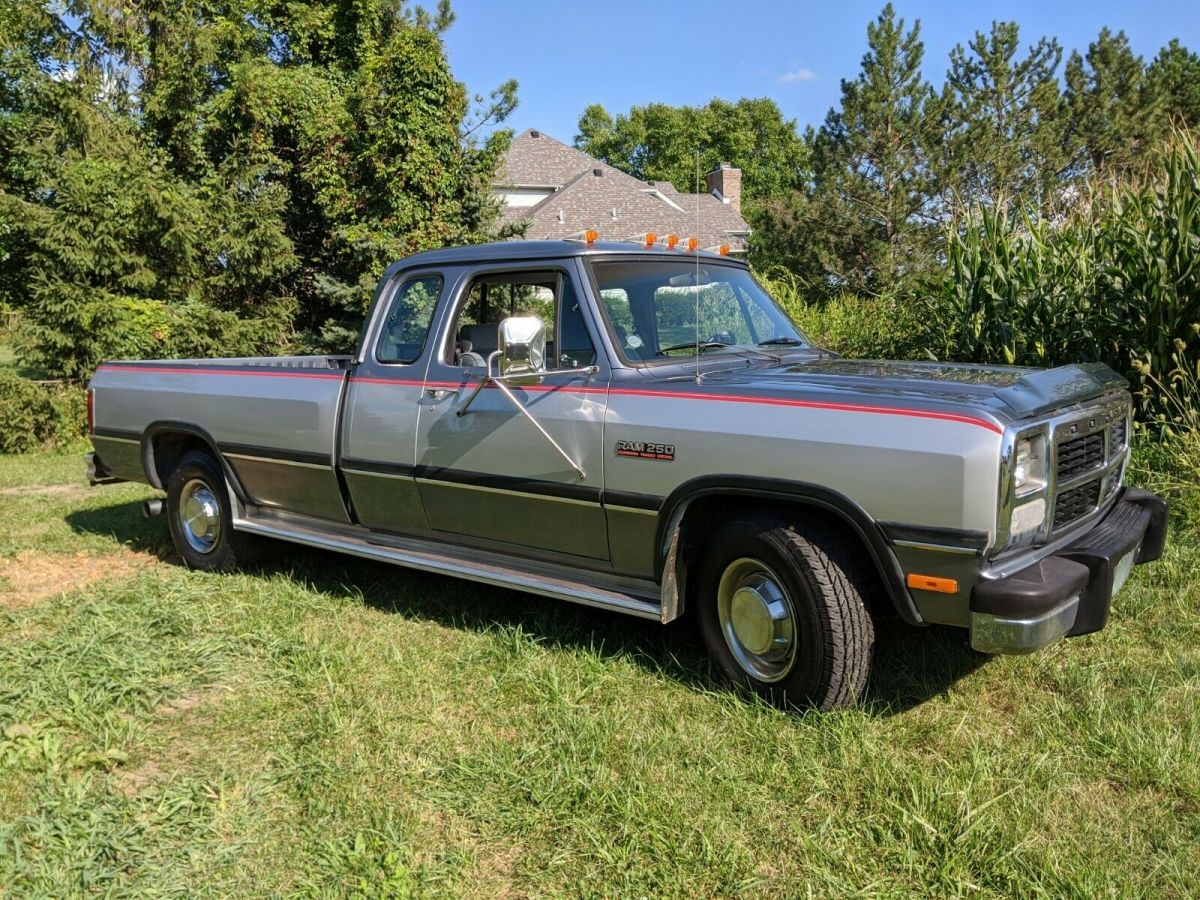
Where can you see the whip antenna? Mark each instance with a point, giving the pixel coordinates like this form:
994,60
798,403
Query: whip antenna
696,253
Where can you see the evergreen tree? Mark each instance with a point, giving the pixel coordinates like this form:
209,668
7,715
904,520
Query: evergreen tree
1003,122
1114,115
868,221
1174,77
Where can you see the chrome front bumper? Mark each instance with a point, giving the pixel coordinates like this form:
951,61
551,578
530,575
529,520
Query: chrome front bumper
1069,593
997,634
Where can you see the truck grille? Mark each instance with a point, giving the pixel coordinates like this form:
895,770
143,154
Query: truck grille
1094,443
1120,434
1076,502
1079,455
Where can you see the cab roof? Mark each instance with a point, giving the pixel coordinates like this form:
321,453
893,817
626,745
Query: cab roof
507,251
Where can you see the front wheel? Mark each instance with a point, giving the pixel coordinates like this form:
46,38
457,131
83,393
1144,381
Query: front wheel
782,614
200,516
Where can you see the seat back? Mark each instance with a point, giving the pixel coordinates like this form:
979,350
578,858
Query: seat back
484,337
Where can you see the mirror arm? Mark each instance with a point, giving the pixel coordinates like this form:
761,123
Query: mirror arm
534,422
499,380
483,380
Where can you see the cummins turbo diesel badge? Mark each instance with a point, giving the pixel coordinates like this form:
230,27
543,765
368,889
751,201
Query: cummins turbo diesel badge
646,450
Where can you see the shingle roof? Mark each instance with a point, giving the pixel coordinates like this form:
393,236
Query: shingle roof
585,200
541,161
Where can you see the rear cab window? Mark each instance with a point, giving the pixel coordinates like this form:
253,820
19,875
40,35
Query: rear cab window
406,325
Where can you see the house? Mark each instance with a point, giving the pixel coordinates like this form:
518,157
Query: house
561,192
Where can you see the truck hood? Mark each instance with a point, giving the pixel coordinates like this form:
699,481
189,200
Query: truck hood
1008,391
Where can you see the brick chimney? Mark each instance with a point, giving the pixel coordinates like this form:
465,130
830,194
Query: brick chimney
726,182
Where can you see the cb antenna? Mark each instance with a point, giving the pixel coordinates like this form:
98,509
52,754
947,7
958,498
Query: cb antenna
696,254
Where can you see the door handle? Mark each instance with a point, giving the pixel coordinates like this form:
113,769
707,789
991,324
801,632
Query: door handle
436,393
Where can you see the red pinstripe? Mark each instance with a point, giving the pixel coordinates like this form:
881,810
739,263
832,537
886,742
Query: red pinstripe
623,392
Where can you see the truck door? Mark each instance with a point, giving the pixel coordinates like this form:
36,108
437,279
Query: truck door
383,400
483,468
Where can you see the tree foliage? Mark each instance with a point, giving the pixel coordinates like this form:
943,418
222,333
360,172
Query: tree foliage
866,221
864,202
238,172
659,142
1002,122
1114,115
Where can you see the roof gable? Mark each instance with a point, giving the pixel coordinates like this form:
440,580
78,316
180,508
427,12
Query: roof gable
590,194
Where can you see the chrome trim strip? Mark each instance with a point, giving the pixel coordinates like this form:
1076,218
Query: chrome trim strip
573,592
113,437
277,460
529,495
631,509
403,476
940,548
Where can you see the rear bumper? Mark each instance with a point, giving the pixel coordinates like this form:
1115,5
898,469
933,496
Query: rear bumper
97,472
1069,593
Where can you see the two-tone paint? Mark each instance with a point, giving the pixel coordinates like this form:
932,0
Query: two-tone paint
909,455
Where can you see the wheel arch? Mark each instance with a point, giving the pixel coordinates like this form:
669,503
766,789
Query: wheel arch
677,531
165,442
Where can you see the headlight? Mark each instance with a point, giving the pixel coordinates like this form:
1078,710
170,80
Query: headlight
1029,466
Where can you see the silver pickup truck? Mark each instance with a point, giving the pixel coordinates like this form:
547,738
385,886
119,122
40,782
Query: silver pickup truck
644,430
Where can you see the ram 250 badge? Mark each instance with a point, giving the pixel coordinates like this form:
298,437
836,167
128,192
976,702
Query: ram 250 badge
644,430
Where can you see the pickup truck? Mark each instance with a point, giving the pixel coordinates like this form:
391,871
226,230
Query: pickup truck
643,429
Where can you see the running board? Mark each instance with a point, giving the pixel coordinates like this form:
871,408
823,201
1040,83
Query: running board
415,557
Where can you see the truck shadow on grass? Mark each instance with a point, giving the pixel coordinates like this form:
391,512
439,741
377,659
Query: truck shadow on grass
912,665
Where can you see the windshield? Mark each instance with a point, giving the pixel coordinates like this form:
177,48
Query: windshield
653,306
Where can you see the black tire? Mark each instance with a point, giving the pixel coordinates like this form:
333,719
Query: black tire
229,549
815,572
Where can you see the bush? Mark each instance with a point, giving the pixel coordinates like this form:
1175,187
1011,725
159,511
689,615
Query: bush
34,416
1167,451
857,327
137,328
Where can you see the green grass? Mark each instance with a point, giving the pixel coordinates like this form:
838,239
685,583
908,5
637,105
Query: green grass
326,726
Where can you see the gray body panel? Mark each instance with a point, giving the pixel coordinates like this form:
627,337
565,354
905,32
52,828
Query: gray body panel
380,448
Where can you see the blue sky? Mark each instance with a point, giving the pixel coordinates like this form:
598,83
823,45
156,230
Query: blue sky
567,54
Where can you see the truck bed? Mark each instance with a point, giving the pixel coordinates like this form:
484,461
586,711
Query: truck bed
274,419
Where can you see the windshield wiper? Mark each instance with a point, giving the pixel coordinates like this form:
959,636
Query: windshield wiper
701,346
780,341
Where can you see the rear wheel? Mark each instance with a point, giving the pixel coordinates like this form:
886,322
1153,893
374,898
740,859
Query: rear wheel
782,614
200,516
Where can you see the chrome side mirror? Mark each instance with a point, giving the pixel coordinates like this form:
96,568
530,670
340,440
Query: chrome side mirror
522,345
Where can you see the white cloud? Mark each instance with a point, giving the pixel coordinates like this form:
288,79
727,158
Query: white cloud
804,73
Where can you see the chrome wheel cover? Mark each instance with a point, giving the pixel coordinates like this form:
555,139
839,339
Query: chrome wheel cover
757,619
199,516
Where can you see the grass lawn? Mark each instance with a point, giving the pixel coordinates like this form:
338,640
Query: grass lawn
328,726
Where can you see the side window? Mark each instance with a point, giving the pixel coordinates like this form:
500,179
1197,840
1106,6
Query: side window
492,298
577,349
407,323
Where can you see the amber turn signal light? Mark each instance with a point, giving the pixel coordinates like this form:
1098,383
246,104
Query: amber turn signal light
932,583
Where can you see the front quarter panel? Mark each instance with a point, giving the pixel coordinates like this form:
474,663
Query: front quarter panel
920,468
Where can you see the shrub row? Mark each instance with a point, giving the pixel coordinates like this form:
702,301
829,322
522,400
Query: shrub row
35,415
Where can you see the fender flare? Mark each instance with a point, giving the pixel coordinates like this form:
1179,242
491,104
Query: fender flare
674,508
168,426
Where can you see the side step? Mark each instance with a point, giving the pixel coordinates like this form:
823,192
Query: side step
434,558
